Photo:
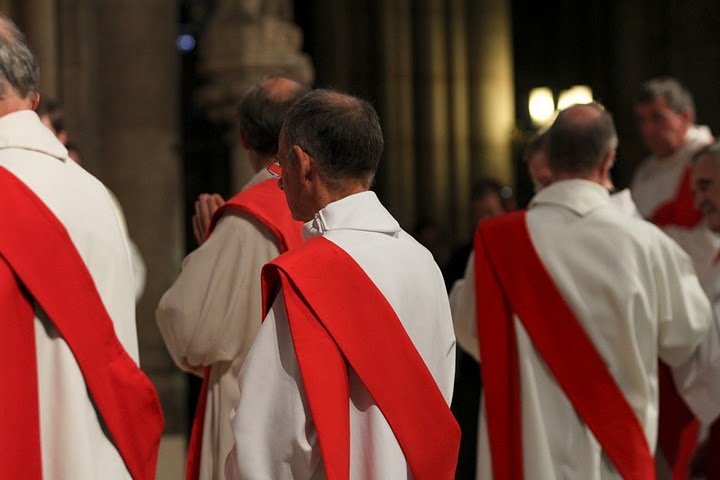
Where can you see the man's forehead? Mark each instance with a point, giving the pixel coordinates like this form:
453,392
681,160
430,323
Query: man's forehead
706,166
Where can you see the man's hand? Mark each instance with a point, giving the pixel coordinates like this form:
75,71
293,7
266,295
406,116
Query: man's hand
205,207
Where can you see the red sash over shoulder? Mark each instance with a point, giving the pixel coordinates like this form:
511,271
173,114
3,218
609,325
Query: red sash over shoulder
339,318
677,427
39,263
511,279
267,204
679,211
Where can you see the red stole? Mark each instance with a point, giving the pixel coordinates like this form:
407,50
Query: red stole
677,427
338,319
680,210
511,279
267,204
40,264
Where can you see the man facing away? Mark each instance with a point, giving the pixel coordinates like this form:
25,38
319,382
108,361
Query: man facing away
351,373
211,313
575,304
74,404
661,184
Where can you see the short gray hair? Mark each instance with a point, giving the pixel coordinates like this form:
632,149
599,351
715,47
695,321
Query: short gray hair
678,98
341,132
18,66
578,143
712,150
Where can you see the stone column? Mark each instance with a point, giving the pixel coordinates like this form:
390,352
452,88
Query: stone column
138,82
431,110
492,98
78,53
8,8
40,21
397,171
243,42
460,160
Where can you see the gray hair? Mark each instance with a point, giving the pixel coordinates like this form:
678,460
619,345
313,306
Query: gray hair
18,66
340,132
678,98
262,110
712,150
579,139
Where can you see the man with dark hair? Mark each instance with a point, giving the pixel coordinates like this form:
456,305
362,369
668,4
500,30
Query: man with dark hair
568,307
210,316
661,185
75,403
351,373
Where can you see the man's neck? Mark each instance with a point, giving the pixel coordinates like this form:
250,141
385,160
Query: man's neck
327,196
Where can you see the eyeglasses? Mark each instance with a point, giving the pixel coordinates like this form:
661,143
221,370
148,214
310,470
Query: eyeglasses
275,169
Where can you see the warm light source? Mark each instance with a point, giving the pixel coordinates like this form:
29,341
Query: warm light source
541,105
574,95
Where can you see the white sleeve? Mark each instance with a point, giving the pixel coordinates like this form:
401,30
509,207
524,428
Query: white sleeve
689,339
274,434
462,306
213,310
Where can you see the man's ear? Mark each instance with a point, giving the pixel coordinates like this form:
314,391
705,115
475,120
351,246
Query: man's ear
305,165
244,142
688,116
36,101
605,167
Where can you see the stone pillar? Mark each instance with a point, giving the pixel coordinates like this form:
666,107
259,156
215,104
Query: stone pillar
138,82
78,53
460,160
8,8
243,42
431,110
40,20
397,171
492,98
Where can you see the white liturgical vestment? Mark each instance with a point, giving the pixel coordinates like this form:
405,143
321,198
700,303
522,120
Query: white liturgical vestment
210,316
657,180
73,443
274,433
634,292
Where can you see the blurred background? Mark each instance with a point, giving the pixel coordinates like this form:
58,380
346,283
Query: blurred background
149,89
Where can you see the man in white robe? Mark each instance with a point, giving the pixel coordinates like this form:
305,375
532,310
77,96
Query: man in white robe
329,151
73,437
631,289
666,118
702,244
210,315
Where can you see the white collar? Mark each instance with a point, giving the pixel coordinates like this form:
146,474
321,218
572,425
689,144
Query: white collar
23,129
579,196
360,211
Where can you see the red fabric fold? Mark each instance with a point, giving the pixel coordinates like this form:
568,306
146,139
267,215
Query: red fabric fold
679,211
510,278
19,409
339,318
42,255
267,204
677,427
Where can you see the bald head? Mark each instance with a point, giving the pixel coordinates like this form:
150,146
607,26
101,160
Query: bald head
580,139
262,110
